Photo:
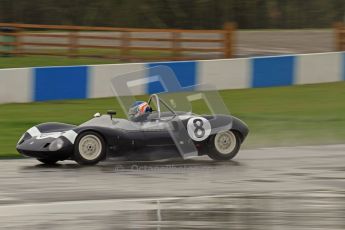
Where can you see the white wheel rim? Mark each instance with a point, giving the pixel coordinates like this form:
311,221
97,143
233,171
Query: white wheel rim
225,142
90,147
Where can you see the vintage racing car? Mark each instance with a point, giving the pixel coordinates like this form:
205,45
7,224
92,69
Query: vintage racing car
166,133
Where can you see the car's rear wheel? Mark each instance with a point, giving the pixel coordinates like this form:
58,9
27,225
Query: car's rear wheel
224,145
48,161
89,148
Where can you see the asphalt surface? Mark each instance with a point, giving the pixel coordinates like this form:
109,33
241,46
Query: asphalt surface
274,42
272,188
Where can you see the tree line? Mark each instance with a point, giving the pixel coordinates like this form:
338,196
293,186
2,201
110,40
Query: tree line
205,14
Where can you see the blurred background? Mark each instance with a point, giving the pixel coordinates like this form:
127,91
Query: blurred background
279,65
132,31
256,14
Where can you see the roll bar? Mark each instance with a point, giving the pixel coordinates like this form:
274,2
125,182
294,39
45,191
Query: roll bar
158,101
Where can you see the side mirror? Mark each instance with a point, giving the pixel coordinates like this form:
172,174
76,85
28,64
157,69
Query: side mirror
111,113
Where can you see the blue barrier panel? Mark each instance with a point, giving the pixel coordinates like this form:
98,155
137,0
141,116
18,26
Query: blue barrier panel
272,71
57,83
184,71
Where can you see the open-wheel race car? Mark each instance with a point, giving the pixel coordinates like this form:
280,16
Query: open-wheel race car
151,131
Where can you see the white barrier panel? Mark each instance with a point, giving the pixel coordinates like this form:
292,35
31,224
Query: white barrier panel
318,68
16,85
225,73
19,85
101,75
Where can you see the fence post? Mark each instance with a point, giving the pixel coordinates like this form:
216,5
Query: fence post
73,43
18,38
175,44
124,52
338,29
229,30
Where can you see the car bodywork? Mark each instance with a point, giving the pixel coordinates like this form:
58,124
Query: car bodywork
151,136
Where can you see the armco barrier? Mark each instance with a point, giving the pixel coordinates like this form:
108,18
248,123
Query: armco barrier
77,82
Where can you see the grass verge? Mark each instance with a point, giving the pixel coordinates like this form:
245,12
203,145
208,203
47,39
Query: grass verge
35,61
283,116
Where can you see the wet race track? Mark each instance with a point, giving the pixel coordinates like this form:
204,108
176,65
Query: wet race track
273,188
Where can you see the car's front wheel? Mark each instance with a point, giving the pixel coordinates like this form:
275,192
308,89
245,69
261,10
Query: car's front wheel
89,148
224,145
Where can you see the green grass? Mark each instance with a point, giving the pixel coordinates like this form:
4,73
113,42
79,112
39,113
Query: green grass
34,61
283,116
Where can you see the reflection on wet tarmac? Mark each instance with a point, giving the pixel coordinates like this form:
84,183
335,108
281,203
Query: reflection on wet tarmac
282,188
258,212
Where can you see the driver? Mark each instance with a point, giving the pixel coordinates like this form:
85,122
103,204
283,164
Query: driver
139,111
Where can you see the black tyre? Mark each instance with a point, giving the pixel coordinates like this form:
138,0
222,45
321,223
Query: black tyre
48,161
89,148
224,145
